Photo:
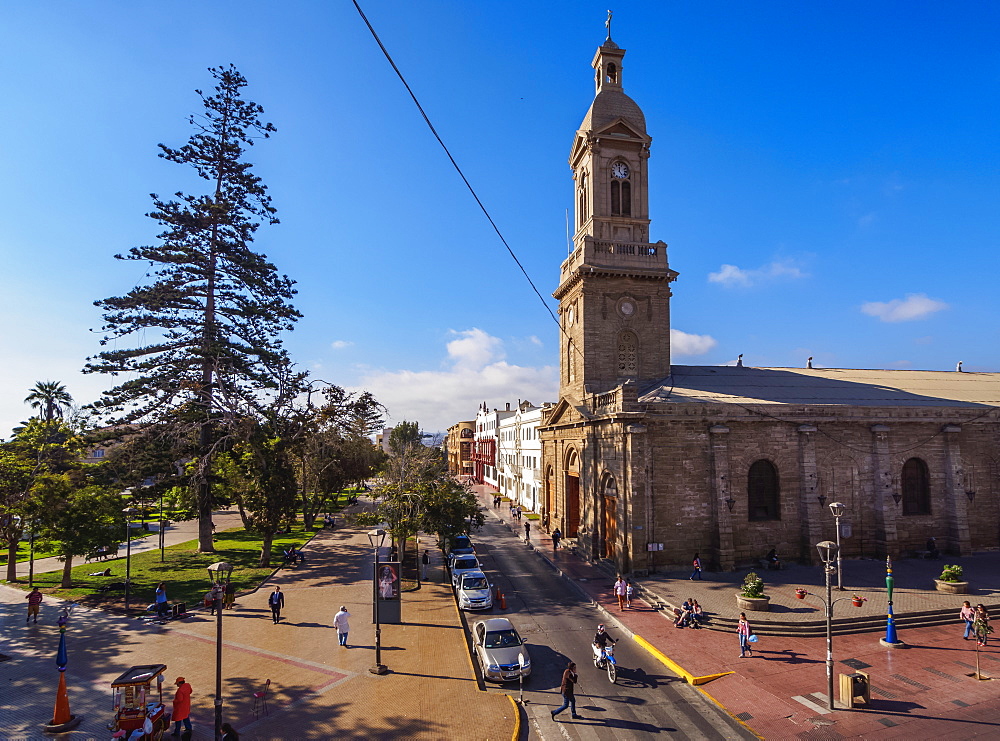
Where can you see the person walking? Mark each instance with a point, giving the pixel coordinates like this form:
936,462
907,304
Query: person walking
696,573
34,604
556,537
527,531
969,616
425,560
620,592
567,690
743,629
276,600
629,589
341,624
161,600
229,733
181,712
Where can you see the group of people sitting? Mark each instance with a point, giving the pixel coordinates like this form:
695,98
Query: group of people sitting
689,615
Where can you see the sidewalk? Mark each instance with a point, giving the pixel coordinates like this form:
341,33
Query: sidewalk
318,689
923,691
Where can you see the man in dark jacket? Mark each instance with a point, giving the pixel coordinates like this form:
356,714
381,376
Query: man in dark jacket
276,600
569,679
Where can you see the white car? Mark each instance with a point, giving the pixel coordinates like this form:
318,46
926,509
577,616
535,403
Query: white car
500,651
461,565
474,591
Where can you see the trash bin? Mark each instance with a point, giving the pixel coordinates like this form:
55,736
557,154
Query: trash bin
855,689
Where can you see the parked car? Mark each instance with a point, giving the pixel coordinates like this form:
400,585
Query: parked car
475,591
461,545
497,646
461,565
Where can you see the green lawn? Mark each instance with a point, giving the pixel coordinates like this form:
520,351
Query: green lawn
24,549
183,570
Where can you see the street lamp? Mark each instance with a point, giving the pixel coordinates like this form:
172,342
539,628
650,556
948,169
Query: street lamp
828,553
129,513
377,538
838,508
220,573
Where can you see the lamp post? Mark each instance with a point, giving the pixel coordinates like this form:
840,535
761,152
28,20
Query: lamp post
377,538
161,526
838,508
828,552
220,573
129,513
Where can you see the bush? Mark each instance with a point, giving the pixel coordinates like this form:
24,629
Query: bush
951,573
753,586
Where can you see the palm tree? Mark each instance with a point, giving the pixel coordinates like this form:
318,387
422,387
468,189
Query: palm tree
50,398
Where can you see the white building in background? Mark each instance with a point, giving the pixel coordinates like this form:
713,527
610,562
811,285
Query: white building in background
519,456
486,458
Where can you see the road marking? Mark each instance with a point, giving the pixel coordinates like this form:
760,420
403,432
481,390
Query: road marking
812,705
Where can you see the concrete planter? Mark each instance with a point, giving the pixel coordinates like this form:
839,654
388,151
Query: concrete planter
952,587
754,604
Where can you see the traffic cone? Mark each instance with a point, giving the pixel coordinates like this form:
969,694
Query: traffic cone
503,600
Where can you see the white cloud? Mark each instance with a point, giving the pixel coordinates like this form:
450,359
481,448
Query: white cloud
475,372
340,344
731,275
914,306
682,343
535,341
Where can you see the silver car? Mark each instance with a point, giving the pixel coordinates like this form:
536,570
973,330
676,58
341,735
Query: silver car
497,646
474,591
461,565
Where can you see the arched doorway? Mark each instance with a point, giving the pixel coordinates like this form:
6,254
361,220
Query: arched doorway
572,513
609,516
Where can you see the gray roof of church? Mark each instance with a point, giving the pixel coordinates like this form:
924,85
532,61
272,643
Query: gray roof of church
721,384
609,105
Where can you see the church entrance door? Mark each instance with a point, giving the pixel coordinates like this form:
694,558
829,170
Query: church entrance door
572,505
610,526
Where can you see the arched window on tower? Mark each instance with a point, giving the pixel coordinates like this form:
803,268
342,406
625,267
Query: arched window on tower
583,207
612,76
570,361
916,488
621,197
763,492
628,354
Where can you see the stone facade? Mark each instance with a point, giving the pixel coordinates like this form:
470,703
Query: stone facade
460,443
645,463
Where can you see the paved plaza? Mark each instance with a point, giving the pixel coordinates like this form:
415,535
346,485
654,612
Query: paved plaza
318,689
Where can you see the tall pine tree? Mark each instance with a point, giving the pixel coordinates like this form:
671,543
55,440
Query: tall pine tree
205,329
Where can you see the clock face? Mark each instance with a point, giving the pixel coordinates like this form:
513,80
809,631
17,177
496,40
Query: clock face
627,308
619,170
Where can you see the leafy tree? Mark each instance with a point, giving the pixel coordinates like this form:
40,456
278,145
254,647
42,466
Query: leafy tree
75,519
50,398
206,326
37,449
450,509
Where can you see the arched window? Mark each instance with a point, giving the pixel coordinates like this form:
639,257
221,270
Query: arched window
612,74
621,197
628,353
763,492
916,488
570,361
583,207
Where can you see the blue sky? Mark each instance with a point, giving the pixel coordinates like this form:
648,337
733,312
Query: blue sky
826,175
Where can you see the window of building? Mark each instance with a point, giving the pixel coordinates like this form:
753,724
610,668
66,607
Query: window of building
621,198
99,453
627,354
583,208
763,493
612,76
916,488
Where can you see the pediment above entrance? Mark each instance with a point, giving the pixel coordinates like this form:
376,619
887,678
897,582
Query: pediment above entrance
566,412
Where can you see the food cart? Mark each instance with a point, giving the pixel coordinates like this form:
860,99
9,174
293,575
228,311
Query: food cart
140,714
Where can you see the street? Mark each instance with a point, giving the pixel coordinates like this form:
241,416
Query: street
558,626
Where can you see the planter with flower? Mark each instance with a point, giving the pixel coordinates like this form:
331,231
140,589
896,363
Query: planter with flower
857,600
950,581
751,595
801,593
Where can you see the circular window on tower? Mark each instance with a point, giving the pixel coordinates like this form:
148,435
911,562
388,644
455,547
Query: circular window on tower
626,307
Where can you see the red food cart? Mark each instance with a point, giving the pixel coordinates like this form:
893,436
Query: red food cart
140,714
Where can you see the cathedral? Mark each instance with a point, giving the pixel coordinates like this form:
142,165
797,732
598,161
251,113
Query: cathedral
645,462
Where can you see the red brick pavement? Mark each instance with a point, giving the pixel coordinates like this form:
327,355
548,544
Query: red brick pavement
920,692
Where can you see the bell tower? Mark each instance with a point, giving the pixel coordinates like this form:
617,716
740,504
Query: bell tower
614,289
